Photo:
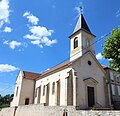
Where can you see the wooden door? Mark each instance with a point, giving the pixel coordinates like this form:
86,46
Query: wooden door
26,101
91,97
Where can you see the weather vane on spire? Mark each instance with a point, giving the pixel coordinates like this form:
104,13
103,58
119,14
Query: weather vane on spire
81,9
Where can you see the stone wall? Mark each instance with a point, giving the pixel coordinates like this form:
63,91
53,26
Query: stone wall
39,110
7,112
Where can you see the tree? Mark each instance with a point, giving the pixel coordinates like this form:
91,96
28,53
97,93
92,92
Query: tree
5,101
112,49
1,99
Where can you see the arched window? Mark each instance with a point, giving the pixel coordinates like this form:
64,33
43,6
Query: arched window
53,88
43,90
75,42
87,42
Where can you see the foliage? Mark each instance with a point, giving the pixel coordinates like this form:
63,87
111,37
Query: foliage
5,100
112,49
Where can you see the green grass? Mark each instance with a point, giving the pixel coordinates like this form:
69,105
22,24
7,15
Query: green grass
4,106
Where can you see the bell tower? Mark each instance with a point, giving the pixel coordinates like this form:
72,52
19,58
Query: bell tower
81,40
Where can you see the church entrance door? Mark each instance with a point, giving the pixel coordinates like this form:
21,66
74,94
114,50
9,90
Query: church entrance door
91,97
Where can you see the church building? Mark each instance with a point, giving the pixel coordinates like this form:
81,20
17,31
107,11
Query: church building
78,82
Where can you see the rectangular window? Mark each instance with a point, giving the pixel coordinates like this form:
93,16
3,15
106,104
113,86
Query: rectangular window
111,76
118,78
113,89
118,90
36,92
43,90
53,88
17,91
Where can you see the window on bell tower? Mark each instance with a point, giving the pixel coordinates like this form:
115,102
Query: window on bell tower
75,42
87,42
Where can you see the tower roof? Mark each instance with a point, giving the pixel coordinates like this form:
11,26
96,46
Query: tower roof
81,24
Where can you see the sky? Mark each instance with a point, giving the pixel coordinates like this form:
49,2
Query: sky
34,34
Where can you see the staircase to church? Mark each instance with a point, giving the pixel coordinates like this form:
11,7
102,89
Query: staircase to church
116,105
98,106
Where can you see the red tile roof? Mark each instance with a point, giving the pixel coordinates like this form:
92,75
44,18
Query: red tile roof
33,76
30,75
105,66
56,67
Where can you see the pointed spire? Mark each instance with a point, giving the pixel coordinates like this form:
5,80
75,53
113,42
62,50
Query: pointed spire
81,24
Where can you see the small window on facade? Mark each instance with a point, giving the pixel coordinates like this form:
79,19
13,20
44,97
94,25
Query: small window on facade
76,42
113,89
87,42
36,92
111,76
43,90
26,101
53,88
119,90
118,78
17,91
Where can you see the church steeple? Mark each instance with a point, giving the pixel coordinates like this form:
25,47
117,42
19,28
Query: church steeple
81,38
81,24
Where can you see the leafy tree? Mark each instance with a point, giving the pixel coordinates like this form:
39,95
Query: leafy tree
112,49
5,101
1,99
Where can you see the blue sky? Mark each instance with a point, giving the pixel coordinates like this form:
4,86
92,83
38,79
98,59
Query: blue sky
34,34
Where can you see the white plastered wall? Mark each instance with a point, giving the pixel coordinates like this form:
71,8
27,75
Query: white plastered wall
80,50
85,71
54,77
27,91
16,98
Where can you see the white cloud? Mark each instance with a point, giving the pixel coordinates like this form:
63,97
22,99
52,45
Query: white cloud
7,68
118,13
40,36
99,56
12,44
77,9
110,59
7,29
4,12
37,42
5,42
39,31
32,37
48,42
31,18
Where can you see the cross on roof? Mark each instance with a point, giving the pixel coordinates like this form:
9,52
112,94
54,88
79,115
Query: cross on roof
81,9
